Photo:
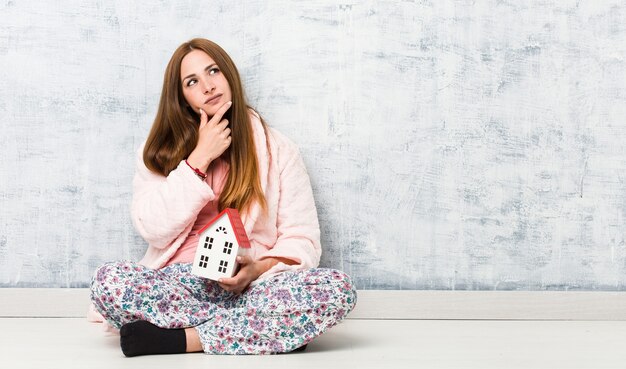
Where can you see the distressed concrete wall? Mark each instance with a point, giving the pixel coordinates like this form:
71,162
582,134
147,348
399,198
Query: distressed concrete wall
451,144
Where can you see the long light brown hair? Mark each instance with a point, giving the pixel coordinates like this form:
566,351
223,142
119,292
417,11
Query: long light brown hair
174,133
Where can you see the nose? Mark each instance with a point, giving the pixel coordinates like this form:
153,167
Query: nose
207,86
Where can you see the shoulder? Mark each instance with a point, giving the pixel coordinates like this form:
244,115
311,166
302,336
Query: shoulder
277,140
139,156
282,141
139,151
140,166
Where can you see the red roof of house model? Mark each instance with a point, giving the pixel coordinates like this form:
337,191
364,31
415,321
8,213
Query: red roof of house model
236,224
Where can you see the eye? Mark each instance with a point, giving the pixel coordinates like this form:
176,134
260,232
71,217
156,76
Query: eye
213,71
191,82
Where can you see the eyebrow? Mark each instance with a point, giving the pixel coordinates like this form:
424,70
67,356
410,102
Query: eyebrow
205,69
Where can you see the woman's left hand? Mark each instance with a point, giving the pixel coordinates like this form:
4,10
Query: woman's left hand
248,272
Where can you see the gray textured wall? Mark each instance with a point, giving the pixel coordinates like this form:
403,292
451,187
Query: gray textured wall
451,144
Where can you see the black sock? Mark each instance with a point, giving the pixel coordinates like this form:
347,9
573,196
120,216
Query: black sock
144,338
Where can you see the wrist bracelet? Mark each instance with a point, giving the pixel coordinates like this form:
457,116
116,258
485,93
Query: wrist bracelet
197,171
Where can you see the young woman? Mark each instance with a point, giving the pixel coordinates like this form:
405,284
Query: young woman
207,151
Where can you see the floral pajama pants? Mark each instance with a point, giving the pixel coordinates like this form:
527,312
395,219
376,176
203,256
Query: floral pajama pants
279,314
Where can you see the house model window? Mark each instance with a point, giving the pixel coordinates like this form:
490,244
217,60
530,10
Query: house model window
208,243
218,262
203,261
228,247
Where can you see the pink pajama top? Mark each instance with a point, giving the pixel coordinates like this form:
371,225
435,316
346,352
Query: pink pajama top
165,209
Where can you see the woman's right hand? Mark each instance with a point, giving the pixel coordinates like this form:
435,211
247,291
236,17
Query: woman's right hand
213,138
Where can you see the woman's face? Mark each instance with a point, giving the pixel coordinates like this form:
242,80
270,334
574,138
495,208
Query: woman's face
204,85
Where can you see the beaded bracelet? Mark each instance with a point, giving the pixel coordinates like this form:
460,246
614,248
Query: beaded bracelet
197,171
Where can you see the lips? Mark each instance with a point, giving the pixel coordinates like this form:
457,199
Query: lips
214,99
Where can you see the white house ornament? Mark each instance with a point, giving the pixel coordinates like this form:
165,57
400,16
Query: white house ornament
219,243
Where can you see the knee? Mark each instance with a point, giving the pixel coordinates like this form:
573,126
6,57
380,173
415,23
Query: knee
346,290
345,294
109,274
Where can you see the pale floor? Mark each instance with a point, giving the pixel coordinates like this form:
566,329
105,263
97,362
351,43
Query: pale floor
75,343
